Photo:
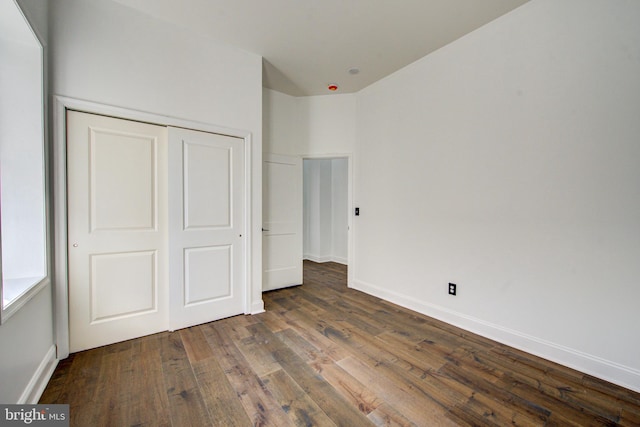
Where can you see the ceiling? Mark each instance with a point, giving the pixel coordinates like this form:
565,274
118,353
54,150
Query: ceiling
307,44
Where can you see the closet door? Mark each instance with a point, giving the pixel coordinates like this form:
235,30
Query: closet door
206,227
117,222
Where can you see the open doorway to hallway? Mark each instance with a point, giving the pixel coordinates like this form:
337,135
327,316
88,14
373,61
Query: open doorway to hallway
326,209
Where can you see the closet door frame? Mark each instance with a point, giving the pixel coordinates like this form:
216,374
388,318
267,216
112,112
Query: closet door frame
60,242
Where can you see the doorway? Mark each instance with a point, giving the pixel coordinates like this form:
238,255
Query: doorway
326,209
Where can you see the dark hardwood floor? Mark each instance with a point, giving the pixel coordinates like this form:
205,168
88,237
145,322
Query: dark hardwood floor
325,355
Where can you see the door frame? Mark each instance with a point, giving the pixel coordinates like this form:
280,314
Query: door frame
59,226
350,222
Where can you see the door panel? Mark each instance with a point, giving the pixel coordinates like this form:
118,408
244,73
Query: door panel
122,274
282,221
117,219
206,186
122,179
201,264
206,231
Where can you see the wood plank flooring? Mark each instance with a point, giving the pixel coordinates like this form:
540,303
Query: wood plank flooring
325,355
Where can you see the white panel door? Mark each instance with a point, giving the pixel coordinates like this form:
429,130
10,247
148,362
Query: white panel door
206,227
282,221
117,221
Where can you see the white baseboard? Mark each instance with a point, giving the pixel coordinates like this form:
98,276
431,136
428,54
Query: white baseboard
340,260
316,258
40,378
589,364
328,258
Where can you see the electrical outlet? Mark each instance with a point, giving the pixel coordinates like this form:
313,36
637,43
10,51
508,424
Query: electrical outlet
452,288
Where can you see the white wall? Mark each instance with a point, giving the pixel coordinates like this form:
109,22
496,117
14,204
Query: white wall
26,339
325,210
282,123
507,162
108,53
314,125
339,210
26,350
316,209
330,124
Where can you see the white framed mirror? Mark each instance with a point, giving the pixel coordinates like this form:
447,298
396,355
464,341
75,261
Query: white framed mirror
23,195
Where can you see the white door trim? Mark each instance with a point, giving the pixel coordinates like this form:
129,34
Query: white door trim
60,265
349,157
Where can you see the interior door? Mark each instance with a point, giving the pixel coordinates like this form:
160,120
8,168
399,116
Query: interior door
282,221
117,220
206,227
